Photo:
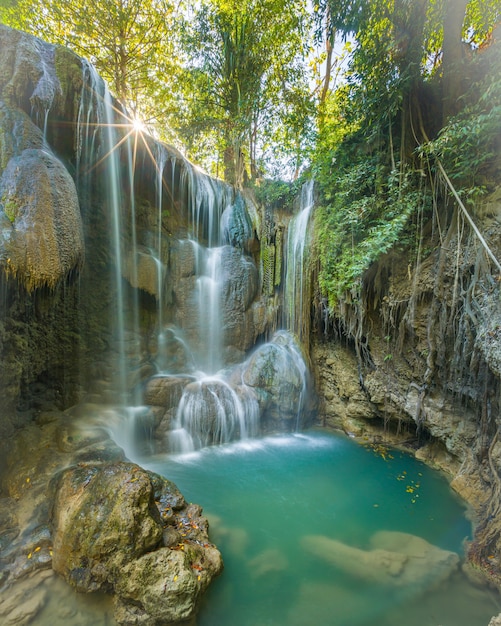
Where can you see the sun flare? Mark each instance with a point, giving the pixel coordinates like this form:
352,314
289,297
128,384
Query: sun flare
139,126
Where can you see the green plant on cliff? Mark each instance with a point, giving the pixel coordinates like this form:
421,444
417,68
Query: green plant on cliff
469,144
411,72
355,228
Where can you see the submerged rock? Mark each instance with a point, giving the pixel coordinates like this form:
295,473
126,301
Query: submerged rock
395,559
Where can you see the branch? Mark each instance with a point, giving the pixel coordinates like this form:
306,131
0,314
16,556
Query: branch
470,221
468,217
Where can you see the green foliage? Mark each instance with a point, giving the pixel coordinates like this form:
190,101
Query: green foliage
10,209
276,194
246,81
362,222
469,144
368,162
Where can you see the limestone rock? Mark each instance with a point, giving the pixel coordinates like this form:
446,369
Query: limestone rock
144,272
121,529
165,391
45,241
343,402
276,373
210,412
170,352
236,225
239,280
495,621
116,529
27,61
162,586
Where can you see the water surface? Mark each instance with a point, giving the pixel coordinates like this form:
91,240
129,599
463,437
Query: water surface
268,500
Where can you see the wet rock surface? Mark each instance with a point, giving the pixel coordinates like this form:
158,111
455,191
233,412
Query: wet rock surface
277,375
75,506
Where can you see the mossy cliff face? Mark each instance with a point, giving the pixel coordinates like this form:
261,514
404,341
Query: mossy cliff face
58,345
413,358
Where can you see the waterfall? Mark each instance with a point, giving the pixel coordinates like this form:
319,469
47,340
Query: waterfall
104,162
211,412
297,282
161,160
47,86
184,241
209,295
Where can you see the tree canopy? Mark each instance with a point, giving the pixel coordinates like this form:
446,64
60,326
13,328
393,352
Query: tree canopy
362,93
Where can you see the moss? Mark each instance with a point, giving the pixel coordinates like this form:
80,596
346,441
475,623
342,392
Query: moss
10,209
278,257
68,70
268,264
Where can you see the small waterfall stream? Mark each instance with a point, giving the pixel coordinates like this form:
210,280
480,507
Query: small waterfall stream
297,296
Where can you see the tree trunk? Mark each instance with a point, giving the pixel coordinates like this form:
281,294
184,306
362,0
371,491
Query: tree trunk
453,54
230,173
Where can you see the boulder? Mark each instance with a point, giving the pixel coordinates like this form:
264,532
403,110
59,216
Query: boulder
125,544
165,391
209,412
277,374
94,535
45,240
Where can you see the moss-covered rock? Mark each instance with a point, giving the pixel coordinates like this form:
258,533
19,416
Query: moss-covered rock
95,534
111,526
39,198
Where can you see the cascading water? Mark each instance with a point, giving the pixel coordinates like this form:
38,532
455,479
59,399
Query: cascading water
297,296
211,412
105,160
205,286
47,87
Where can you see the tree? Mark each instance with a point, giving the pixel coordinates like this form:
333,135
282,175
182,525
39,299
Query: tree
130,42
246,76
414,65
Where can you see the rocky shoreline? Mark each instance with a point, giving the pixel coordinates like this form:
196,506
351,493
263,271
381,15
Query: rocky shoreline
75,506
